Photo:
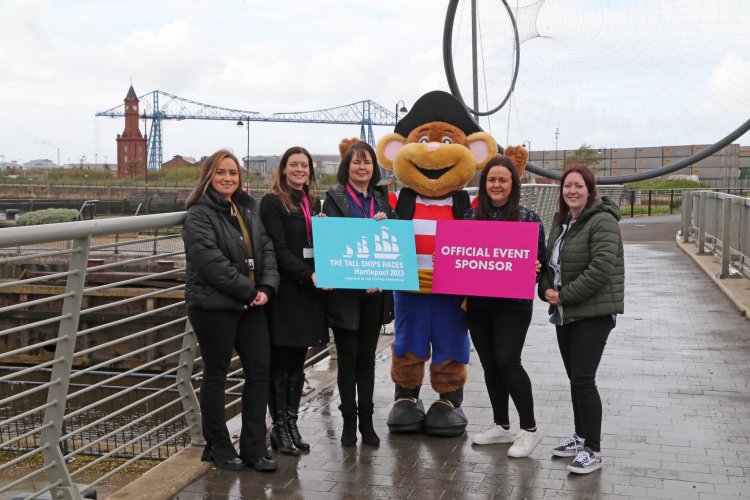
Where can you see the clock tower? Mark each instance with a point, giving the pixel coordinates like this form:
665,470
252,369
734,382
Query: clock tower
131,144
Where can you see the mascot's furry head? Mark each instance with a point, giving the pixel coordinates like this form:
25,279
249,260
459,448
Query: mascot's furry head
437,148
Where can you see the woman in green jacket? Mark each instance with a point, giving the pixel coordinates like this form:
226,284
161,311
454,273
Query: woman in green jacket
584,284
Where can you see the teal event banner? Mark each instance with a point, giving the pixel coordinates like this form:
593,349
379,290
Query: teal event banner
365,253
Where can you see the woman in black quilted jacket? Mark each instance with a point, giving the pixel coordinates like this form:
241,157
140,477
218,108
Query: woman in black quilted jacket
231,272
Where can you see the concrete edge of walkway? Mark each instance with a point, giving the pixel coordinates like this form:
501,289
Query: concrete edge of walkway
173,475
737,290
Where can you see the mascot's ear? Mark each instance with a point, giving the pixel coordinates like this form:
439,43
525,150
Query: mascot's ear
519,155
345,144
388,147
483,146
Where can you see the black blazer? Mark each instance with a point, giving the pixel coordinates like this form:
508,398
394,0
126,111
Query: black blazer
296,314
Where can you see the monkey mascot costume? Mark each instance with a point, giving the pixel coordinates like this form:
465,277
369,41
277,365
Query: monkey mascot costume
435,150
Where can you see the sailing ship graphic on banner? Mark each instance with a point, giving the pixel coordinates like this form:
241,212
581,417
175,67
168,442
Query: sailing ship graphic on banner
386,247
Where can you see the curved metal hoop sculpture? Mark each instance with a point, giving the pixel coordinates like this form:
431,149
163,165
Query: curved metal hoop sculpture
618,179
448,58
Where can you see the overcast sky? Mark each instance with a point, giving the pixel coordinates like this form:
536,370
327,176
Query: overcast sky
609,73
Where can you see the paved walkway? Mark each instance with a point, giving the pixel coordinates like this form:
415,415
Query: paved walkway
674,385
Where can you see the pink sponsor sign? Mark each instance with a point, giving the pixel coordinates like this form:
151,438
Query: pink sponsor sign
486,258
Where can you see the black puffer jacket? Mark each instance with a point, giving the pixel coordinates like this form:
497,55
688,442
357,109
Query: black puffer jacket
217,269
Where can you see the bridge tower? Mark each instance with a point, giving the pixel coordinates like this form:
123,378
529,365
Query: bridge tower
131,144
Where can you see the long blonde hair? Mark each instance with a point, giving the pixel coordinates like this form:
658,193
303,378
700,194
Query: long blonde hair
208,169
280,186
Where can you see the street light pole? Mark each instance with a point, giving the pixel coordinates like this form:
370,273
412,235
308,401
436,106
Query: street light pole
402,109
247,165
528,149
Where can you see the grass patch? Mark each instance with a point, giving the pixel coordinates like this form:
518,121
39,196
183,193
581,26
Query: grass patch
666,184
36,461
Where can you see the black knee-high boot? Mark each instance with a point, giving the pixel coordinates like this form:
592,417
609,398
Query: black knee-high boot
365,407
349,432
294,383
366,428
280,439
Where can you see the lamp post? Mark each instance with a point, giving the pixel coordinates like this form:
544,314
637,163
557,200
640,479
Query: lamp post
527,145
241,124
402,109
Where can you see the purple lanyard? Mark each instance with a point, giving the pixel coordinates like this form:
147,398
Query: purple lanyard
359,204
305,206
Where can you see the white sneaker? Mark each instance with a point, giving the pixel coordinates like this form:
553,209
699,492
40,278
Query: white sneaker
524,443
495,434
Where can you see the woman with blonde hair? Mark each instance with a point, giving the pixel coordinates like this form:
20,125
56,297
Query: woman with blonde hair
231,273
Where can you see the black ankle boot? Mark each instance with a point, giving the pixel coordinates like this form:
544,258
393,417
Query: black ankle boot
349,432
294,384
280,439
369,436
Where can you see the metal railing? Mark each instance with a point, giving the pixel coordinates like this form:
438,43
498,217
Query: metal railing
662,201
98,360
719,223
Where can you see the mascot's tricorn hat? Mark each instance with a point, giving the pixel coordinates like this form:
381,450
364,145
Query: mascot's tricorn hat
437,106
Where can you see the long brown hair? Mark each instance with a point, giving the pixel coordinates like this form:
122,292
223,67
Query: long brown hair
588,178
280,186
208,169
509,211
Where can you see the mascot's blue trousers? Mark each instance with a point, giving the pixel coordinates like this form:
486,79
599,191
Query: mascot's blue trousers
424,319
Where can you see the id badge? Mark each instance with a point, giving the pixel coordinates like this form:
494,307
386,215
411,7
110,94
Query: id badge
308,253
251,264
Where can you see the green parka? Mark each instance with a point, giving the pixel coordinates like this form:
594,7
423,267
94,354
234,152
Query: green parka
592,265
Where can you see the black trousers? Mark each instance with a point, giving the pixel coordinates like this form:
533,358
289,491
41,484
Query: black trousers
355,351
287,360
247,333
581,346
499,335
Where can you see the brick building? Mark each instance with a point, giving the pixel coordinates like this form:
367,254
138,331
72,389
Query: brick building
131,144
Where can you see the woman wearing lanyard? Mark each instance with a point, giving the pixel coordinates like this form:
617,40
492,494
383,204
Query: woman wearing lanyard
231,273
296,313
356,316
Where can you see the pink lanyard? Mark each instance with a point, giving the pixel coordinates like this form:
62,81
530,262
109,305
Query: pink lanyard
305,206
359,204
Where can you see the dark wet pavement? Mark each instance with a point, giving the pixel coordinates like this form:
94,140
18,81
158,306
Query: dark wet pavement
674,386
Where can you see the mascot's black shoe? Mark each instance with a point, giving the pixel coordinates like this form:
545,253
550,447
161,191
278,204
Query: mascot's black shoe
406,415
443,419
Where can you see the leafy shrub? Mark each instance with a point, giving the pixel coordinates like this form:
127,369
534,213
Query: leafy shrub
47,216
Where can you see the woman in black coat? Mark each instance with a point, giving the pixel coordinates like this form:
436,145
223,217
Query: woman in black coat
231,273
356,316
297,313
